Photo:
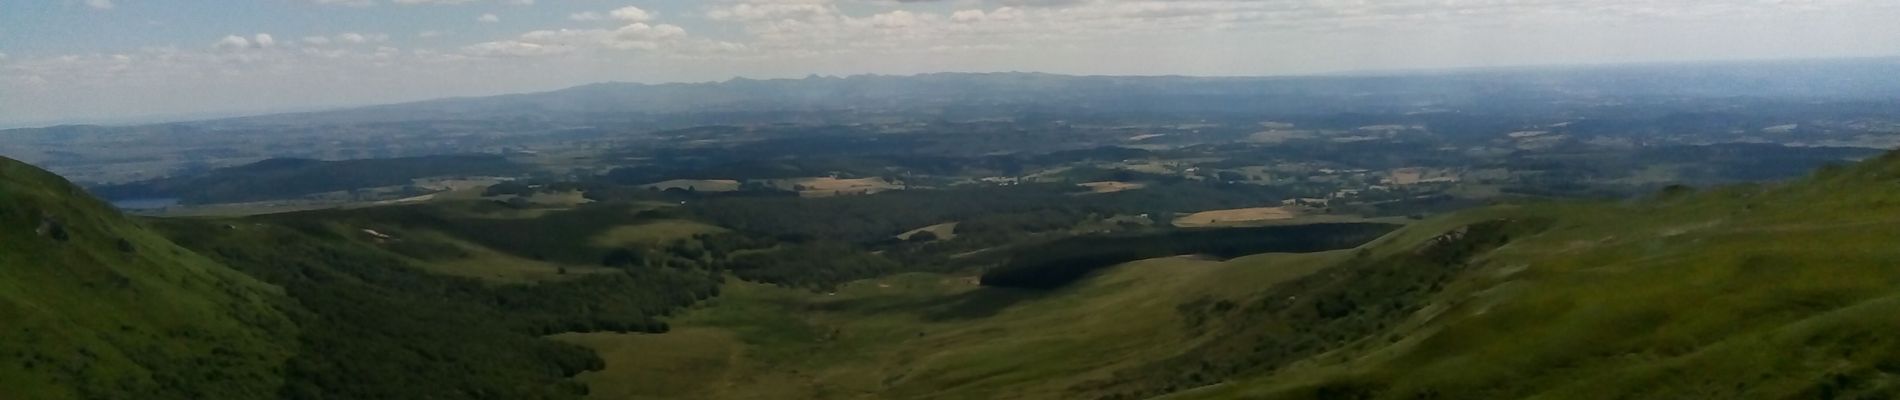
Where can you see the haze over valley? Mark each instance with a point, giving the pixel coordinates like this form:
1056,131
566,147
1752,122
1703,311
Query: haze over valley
1193,200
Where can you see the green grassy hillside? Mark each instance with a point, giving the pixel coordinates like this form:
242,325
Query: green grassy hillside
94,306
1784,291
1759,291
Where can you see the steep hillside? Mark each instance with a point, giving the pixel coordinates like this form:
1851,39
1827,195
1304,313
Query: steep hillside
94,306
1784,291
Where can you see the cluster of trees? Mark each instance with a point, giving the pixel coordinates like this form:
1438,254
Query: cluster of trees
937,149
558,236
705,251
817,265
877,217
372,326
289,178
870,218
1064,261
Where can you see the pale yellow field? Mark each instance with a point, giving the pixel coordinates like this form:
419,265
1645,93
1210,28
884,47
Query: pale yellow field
826,186
944,231
1234,216
1110,186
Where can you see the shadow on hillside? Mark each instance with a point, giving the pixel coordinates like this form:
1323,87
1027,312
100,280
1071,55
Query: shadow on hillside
979,303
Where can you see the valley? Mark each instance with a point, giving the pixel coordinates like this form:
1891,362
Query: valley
1311,247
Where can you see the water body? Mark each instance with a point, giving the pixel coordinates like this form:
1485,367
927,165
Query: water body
151,203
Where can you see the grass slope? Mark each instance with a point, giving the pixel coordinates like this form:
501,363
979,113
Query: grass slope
1756,291
927,335
1785,291
95,306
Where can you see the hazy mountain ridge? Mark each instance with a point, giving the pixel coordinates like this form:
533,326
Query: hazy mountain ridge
1847,100
948,93
1846,79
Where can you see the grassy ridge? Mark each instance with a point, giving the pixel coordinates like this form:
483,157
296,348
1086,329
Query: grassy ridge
95,306
1781,291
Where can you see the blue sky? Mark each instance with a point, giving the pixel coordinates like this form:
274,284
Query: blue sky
113,60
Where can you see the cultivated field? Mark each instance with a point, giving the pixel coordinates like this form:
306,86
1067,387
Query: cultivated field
1110,186
944,231
1237,216
826,186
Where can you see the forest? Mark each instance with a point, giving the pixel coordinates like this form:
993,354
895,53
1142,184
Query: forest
1064,261
280,178
374,327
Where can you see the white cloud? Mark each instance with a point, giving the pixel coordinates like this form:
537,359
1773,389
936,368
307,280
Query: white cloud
360,38
634,36
627,14
100,4
232,42
521,2
978,15
631,14
795,37
513,48
772,10
488,18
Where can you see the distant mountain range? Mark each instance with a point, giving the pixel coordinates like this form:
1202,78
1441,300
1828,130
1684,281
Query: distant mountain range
978,95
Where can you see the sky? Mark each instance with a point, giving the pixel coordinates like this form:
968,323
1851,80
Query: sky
132,60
